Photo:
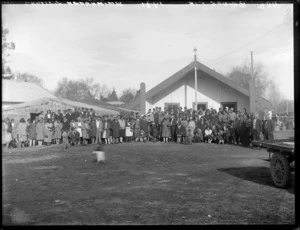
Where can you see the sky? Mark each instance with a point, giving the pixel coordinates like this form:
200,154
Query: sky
122,46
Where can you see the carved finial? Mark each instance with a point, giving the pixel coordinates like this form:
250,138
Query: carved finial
195,55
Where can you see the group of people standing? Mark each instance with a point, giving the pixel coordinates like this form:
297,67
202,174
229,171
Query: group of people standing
84,126
210,126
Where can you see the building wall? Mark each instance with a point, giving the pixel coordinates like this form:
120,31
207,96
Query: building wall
210,90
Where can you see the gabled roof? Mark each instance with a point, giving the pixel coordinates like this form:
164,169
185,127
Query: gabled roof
16,91
183,72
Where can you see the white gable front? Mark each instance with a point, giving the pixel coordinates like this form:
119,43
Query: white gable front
210,91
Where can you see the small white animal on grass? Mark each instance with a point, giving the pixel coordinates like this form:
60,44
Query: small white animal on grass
100,154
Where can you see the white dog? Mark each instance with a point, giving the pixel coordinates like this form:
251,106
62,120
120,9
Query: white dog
100,154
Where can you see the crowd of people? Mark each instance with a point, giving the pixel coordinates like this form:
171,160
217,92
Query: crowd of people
81,126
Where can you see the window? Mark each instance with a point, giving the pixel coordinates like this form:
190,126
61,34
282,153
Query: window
202,105
172,105
229,105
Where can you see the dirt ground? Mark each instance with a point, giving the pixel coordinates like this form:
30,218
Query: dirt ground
142,183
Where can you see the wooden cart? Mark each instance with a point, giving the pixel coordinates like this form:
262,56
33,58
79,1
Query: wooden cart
283,154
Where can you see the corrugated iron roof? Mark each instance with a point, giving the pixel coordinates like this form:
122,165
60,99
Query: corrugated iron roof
16,91
41,101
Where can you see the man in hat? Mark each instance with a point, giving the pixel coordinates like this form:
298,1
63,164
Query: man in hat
256,127
59,116
75,114
268,128
68,115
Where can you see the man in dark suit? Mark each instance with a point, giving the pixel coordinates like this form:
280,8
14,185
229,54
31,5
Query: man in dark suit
59,116
268,129
68,115
256,128
173,124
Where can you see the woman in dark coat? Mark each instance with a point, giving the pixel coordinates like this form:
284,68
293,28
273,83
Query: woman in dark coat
31,130
116,130
93,130
247,130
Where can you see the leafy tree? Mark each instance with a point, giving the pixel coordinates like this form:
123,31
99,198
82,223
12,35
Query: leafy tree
112,96
6,46
128,95
241,75
137,94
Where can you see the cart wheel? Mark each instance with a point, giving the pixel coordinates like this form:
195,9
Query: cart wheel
280,170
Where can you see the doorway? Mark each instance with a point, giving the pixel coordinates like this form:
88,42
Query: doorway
173,106
202,105
229,105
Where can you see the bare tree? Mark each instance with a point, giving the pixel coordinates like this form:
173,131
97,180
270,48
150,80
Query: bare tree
241,75
81,90
274,95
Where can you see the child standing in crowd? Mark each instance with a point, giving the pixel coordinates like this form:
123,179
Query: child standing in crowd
72,135
57,131
65,140
128,130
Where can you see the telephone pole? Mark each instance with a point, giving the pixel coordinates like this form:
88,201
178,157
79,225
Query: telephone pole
252,92
196,84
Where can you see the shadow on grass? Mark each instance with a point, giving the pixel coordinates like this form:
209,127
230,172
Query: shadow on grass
259,175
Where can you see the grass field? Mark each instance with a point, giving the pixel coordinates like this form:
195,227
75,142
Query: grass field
143,183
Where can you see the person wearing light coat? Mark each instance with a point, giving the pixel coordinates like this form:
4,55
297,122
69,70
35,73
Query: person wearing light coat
57,131
48,132
40,126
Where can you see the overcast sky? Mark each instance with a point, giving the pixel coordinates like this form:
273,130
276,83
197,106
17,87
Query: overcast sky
122,46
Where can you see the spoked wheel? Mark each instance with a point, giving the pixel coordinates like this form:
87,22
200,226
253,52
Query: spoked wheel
280,170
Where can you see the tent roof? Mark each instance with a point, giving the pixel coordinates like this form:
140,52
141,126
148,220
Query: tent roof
183,73
16,91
